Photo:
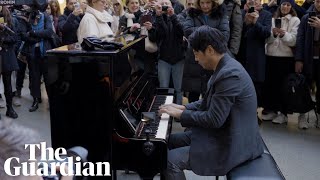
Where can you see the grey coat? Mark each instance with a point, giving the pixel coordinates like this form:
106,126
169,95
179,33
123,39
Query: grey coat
195,78
225,131
235,22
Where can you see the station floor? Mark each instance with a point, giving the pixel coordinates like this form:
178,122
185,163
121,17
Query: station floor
297,152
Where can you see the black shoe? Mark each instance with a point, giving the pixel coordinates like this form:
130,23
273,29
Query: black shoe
35,105
18,93
11,113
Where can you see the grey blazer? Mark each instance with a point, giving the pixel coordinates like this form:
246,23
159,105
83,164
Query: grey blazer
225,130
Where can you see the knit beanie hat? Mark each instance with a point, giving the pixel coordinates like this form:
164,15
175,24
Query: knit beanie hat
289,1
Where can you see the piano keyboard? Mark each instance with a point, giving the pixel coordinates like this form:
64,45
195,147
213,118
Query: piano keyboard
160,126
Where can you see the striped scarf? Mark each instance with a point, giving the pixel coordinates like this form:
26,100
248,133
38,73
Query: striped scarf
39,27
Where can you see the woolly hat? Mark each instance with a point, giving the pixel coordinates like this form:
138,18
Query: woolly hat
289,1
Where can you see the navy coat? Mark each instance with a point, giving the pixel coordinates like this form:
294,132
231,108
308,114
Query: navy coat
304,46
225,130
252,48
7,52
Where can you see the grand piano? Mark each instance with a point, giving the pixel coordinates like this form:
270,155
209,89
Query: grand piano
96,102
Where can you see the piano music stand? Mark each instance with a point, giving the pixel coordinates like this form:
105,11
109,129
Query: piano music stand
81,101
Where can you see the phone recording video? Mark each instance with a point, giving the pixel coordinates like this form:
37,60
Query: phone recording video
251,10
76,5
277,23
165,8
145,18
312,14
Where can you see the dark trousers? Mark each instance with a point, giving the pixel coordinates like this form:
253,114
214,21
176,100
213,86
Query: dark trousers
193,96
259,86
6,78
316,78
21,74
38,67
274,89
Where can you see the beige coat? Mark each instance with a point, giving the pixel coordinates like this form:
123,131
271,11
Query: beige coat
281,47
95,24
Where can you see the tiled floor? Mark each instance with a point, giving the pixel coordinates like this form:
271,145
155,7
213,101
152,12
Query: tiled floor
297,152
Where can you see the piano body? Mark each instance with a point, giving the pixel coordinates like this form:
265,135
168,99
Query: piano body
104,115
140,134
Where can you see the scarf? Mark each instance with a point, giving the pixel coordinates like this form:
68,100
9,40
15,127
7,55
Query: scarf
130,18
39,27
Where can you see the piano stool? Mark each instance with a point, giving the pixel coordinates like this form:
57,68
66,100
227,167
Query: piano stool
262,168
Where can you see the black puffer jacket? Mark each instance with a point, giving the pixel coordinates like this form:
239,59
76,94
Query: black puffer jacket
68,25
195,78
169,35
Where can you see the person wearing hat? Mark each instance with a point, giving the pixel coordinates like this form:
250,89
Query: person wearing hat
280,62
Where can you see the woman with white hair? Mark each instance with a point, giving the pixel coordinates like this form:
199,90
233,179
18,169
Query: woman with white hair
95,22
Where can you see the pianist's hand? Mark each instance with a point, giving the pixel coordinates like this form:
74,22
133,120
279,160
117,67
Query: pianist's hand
175,106
172,111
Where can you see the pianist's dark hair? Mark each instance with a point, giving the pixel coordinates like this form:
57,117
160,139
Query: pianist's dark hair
205,36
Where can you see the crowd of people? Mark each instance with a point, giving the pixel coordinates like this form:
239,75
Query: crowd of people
236,55
270,40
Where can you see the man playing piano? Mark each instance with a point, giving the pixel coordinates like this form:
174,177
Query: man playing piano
224,130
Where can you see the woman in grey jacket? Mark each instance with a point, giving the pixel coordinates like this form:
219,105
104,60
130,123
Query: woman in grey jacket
211,13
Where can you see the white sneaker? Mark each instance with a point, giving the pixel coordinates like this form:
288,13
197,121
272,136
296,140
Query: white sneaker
302,122
2,103
280,119
16,101
268,116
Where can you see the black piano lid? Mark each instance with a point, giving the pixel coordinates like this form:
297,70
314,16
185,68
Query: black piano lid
76,50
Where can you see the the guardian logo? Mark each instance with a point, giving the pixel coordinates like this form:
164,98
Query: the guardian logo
69,166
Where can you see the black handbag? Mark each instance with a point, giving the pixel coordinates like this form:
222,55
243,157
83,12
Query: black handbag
55,40
93,43
298,97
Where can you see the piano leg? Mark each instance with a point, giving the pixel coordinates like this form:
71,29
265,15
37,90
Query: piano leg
114,174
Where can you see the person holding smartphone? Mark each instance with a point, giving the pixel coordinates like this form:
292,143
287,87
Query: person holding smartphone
256,29
280,61
308,47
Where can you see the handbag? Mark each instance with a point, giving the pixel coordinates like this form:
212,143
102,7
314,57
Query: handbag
93,43
298,97
55,40
150,47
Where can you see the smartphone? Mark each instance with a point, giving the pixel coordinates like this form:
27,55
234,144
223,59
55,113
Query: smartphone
76,5
251,10
165,8
312,13
277,23
145,18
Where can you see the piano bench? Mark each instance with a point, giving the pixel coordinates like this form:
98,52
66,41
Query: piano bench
262,168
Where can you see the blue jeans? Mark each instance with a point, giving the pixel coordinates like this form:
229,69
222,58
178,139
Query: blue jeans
165,70
178,156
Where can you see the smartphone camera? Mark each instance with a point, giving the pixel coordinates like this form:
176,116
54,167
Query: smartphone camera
312,14
251,10
277,23
77,5
165,8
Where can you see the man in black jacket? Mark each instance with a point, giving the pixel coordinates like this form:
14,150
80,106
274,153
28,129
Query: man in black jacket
69,22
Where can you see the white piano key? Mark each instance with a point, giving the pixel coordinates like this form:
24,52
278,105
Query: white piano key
164,121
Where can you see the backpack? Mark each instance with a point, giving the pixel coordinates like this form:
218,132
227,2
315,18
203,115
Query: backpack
298,97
